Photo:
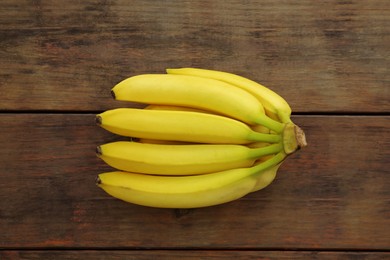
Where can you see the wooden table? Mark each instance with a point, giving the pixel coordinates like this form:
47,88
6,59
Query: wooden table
329,59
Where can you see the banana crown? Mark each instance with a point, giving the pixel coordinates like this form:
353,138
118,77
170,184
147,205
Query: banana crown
204,138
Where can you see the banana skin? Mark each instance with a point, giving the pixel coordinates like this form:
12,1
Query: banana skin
186,191
180,126
188,159
205,138
274,105
198,92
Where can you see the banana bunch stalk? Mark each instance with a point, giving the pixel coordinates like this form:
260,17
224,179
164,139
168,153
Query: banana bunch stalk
204,138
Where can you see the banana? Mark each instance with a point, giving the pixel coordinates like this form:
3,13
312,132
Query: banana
265,178
180,126
180,159
174,108
156,141
178,108
261,129
185,191
206,138
275,106
257,128
198,92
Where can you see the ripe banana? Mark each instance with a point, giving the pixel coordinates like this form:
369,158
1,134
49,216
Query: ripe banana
257,128
192,159
274,105
185,191
206,137
265,178
198,92
180,126
175,108
178,108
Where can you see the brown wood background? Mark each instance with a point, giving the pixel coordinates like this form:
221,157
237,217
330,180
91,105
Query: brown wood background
329,59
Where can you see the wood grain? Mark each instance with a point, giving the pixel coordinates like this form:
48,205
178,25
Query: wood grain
322,56
332,195
59,61
195,255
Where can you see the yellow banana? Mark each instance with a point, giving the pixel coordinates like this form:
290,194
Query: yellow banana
260,129
174,108
198,92
185,191
265,178
180,159
156,141
178,108
257,128
274,105
180,126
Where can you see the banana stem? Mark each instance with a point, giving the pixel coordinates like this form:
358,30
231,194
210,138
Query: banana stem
293,138
278,158
267,138
284,118
270,123
267,150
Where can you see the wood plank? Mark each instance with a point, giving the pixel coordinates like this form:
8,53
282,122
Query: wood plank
322,56
332,195
179,254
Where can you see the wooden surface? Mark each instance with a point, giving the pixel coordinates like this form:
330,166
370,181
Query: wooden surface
329,59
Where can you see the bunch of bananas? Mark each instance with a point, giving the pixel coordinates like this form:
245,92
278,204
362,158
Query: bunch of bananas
205,137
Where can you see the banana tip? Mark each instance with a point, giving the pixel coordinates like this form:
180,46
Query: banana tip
98,181
113,94
98,120
98,150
